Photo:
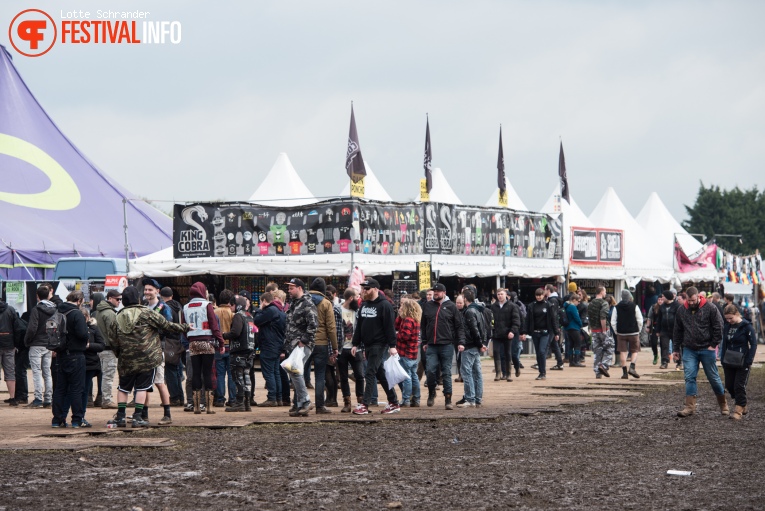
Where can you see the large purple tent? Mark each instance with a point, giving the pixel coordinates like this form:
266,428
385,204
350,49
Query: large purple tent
54,202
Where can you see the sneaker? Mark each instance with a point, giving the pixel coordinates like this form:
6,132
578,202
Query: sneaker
120,422
461,401
293,412
604,370
85,424
663,366
558,367
111,405
361,409
138,422
465,404
76,425
17,402
415,403
46,405
35,404
535,366
305,409
58,425
391,408
541,377
165,421
189,407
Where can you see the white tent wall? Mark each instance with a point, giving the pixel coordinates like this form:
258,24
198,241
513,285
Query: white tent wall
282,186
441,191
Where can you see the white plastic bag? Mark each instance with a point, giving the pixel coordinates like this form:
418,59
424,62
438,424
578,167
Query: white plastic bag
294,363
394,373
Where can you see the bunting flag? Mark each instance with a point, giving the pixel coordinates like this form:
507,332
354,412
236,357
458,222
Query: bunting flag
563,178
501,181
428,157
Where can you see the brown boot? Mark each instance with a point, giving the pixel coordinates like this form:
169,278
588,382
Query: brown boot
347,405
197,399
738,411
724,410
746,410
210,400
690,407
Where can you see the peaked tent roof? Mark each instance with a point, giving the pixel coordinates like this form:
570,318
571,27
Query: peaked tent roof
441,191
663,229
641,259
54,201
513,199
282,186
373,189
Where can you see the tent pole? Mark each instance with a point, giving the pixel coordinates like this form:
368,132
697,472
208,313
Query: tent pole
125,227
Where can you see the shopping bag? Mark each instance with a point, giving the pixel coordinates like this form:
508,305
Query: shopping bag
394,373
294,363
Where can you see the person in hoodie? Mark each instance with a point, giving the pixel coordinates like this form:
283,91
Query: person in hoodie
70,380
698,330
173,350
95,300
302,323
10,329
92,361
442,328
507,323
476,343
136,343
740,337
271,323
574,330
36,339
627,322
375,329
543,328
106,317
241,337
326,334
204,340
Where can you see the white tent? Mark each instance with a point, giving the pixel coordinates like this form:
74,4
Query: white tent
441,191
373,189
642,259
663,229
282,186
513,199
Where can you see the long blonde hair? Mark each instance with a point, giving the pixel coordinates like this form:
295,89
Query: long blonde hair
411,309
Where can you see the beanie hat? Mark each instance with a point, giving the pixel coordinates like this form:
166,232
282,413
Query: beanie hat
626,295
319,285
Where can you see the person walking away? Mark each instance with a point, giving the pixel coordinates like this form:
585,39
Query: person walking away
598,312
70,380
326,334
652,329
350,308
553,345
242,349
739,337
574,330
204,340
542,326
137,346
475,345
173,351
664,324
441,328
507,325
92,362
375,329
627,321
36,338
698,331
271,323
302,323
408,345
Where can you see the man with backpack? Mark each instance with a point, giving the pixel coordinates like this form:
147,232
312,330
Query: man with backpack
665,325
11,328
476,343
68,337
36,339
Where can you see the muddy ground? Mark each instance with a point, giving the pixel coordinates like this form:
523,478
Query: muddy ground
598,456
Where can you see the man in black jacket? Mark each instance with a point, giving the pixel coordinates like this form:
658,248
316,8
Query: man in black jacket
665,325
542,326
10,329
173,350
506,333
375,329
70,380
441,328
475,344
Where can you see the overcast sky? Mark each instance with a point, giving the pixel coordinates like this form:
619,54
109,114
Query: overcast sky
647,96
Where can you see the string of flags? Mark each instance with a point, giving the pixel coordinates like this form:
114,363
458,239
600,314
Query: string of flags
740,269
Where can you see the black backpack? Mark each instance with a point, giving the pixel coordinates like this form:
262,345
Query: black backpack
488,320
563,316
55,327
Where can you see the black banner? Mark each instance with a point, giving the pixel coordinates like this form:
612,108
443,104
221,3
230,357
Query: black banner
584,245
344,226
597,246
611,243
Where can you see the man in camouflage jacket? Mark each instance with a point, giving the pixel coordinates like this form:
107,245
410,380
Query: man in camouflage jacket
136,343
302,323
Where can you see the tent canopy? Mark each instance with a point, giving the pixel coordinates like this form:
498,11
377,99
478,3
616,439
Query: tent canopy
55,202
513,199
282,186
441,191
373,189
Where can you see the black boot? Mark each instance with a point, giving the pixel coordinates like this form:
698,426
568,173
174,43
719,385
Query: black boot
431,397
248,402
237,406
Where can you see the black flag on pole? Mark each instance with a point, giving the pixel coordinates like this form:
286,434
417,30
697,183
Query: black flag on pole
562,173
428,156
354,162
501,165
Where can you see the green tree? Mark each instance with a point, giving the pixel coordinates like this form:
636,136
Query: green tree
733,211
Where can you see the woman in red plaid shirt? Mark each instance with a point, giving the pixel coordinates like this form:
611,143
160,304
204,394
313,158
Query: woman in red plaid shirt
408,346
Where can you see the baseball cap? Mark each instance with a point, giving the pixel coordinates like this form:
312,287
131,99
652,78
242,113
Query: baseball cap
439,287
297,283
371,283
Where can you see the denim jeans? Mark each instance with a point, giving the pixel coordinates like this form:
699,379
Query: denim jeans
410,388
439,356
223,370
39,359
691,360
541,342
173,381
320,360
376,374
472,376
516,348
269,366
70,380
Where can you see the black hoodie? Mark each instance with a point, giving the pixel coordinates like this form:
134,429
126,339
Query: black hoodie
10,326
175,309
76,328
375,323
37,335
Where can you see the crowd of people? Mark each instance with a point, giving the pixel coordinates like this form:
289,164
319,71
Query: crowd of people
146,340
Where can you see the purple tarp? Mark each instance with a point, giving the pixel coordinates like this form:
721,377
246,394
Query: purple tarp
53,201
